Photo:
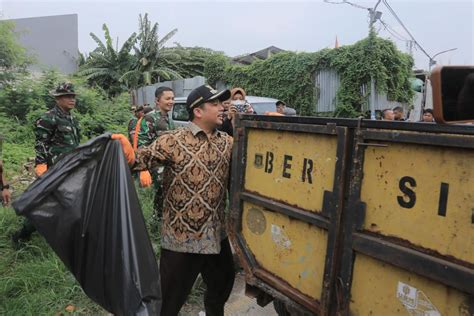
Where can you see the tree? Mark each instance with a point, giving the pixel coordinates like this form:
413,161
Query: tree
215,68
106,65
81,61
150,56
191,60
13,56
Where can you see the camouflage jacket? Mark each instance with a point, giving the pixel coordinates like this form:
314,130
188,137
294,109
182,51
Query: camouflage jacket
56,132
143,132
157,123
131,126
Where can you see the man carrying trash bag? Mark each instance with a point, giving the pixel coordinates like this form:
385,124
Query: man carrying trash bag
87,209
194,239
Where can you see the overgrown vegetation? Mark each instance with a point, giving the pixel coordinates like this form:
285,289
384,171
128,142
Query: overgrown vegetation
106,65
13,57
142,60
191,60
290,76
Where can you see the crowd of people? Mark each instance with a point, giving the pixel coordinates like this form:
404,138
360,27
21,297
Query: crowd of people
397,114
189,169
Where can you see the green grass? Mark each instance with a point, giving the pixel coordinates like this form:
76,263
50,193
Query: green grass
14,156
33,280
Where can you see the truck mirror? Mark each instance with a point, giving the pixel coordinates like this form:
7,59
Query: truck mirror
453,94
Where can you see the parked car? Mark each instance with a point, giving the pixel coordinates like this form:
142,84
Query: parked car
180,114
259,104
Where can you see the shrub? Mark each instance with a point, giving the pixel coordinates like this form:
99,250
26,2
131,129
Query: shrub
289,76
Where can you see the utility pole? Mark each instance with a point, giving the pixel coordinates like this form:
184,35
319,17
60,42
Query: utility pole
374,16
410,46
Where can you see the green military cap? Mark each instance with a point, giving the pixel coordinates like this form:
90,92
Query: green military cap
64,88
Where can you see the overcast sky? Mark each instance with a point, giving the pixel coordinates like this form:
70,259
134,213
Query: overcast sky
238,27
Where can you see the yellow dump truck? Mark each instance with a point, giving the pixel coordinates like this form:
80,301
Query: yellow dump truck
358,217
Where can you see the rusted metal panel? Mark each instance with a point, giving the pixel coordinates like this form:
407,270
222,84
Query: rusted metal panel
285,211
295,168
405,243
379,288
422,194
293,250
408,225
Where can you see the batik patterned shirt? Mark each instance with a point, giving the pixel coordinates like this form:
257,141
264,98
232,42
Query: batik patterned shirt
196,170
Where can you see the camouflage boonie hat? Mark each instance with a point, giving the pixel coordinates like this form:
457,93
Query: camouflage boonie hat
64,88
138,108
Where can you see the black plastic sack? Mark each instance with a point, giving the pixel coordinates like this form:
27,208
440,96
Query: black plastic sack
87,208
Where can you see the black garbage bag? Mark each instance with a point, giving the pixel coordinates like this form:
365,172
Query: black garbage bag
87,209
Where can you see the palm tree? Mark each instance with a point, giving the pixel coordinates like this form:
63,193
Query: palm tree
150,56
106,65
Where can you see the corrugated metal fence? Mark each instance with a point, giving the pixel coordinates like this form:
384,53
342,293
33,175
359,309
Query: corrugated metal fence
327,82
181,87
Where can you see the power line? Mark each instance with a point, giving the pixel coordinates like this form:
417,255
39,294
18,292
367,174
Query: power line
394,33
346,2
405,28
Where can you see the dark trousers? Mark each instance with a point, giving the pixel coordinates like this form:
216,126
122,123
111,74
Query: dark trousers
178,271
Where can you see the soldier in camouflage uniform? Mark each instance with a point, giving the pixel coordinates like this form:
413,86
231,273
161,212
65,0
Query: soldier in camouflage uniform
57,132
142,138
157,122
